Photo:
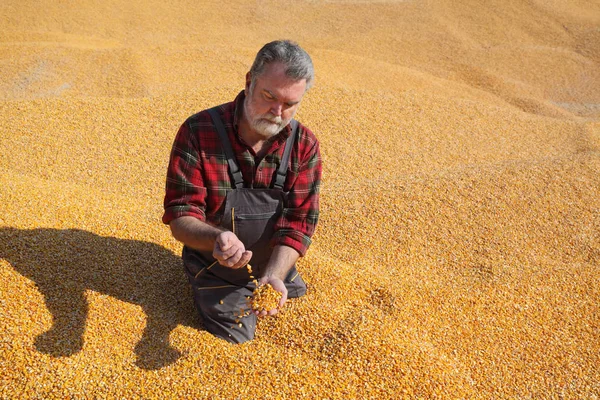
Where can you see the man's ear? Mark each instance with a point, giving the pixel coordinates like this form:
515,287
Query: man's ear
248,80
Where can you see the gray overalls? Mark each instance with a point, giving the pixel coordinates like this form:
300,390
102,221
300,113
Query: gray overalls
220,293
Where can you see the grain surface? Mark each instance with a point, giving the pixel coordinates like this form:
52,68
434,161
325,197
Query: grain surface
458,249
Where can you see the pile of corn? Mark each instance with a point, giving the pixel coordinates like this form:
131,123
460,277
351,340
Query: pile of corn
459,241
265,298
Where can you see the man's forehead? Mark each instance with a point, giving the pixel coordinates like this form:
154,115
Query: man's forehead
275,82
275,69
276,73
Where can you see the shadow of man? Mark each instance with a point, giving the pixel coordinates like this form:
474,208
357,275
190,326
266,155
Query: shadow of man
65,263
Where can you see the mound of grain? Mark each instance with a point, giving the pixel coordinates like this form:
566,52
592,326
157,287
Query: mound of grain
458,249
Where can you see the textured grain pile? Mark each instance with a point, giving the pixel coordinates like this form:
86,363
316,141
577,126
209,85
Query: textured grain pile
459,244
265,298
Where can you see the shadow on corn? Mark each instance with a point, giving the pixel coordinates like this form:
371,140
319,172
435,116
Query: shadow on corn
65,263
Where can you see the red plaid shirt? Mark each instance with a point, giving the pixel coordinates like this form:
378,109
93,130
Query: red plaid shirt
198,175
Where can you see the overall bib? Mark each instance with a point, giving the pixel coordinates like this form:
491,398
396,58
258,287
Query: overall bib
221,293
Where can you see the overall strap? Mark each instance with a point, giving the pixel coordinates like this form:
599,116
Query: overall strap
233,167
282,171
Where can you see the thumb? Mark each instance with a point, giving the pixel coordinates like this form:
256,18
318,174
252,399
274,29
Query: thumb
223,241
246,256
283,298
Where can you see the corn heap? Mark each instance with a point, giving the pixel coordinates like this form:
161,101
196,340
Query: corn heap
458,244
265,298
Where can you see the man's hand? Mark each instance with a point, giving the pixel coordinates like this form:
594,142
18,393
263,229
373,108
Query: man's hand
279,286
230,252
282,260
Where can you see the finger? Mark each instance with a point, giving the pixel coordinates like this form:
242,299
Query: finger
217,252
263,281
260,314
283,299
245,259
231,261
232,250
219,256
272,312
223,255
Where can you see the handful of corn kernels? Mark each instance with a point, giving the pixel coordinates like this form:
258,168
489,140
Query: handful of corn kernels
265,298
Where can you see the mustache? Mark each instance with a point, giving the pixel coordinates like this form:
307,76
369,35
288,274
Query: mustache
273,118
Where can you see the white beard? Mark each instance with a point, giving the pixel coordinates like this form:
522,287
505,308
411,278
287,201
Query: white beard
266,125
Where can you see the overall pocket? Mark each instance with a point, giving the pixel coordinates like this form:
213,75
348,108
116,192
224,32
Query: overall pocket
255,230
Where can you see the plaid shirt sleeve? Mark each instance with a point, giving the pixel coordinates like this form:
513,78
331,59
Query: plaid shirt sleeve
185,190
300,216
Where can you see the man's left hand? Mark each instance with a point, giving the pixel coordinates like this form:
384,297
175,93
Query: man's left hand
279,286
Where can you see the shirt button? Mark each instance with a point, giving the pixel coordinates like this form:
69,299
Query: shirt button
259,169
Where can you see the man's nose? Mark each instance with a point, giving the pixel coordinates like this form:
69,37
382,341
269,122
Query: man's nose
276,109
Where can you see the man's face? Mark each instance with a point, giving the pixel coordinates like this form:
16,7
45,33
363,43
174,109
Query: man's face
273,101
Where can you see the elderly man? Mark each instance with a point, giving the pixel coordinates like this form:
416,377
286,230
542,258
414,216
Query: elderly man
243,187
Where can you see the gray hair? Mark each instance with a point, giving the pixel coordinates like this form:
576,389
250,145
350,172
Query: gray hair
297,61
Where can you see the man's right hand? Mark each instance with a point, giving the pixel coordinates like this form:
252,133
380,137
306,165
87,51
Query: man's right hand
230,252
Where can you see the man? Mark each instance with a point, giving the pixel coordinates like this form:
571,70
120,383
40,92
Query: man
243,190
